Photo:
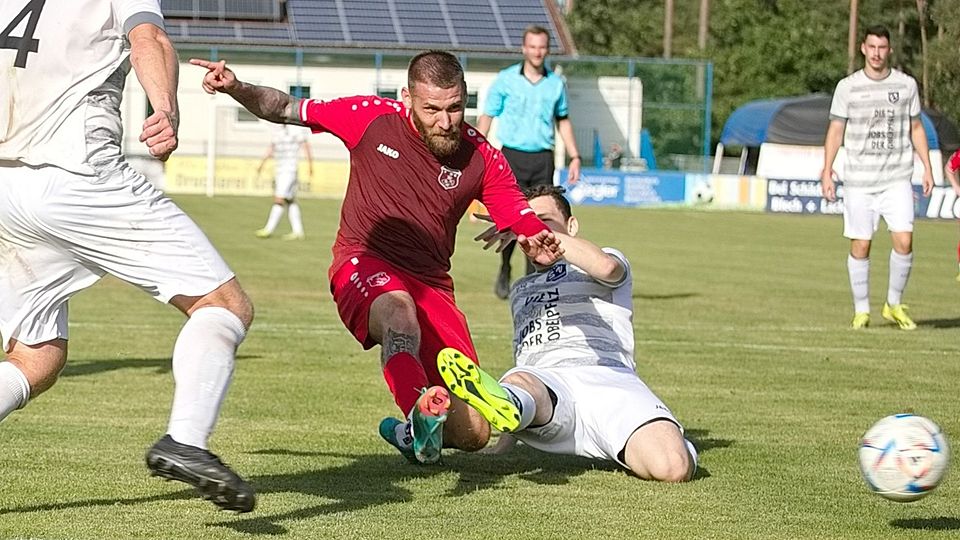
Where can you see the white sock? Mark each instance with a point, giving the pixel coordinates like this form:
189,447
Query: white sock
402,434
276,212
900,266
524,401
296,222
202,367
693,454
14,389
859,270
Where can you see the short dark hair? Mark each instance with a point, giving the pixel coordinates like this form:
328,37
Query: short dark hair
878,30
536,30
555,193
438,68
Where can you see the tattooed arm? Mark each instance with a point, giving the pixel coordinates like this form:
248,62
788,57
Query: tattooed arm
265,102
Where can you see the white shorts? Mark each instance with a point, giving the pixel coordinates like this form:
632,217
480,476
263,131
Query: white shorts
598,409
862,211
285,187
61,232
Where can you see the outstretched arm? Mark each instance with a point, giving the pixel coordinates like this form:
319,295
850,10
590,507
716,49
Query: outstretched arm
264,102
155,62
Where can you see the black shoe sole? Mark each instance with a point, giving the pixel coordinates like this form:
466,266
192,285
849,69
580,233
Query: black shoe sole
214,490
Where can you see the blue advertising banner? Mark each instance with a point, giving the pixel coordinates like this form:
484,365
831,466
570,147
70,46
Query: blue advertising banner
805,197
602,187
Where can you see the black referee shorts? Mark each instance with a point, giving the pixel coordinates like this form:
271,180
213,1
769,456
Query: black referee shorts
531,168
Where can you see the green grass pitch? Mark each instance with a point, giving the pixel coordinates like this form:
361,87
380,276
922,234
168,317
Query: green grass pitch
741,324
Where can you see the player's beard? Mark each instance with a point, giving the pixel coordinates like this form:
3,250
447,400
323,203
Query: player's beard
439,143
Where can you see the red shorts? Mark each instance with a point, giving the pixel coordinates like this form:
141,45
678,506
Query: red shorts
362,278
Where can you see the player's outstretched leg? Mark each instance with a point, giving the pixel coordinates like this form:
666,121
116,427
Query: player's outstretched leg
420,438
478,389
204,471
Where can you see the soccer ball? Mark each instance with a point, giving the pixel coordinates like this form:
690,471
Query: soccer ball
702,193
903,457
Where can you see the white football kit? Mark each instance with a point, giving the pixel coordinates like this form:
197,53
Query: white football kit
879,151
71,208
287,141
575,334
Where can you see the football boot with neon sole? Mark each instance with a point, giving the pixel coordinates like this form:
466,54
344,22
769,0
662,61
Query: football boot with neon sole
898,314
262,233
860,320
426,424
478,389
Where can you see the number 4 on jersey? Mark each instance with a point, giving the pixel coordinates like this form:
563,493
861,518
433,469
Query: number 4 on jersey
24,44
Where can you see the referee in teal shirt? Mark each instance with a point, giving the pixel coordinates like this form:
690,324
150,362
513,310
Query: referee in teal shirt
528,98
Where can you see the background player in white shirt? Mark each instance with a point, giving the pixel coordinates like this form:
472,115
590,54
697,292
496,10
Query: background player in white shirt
72,210
876,115
285,150
575,389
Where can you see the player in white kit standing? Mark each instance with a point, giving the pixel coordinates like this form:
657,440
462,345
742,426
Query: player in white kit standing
876,115
575,389
285,150
72,210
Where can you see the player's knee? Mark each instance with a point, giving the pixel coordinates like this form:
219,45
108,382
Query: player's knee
41,365
396,311
473,439
674,466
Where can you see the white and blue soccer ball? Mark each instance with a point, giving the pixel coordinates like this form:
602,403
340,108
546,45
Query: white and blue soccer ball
904,457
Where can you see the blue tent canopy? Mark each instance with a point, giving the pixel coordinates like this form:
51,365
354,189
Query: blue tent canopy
800,120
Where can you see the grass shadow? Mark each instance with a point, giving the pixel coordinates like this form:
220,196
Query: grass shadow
941,523
939,323
159,366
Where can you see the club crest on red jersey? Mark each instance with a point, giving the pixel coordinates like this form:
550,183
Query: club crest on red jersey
449,178
378,280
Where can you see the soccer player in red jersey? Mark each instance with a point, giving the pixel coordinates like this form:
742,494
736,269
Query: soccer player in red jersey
415,167
950,171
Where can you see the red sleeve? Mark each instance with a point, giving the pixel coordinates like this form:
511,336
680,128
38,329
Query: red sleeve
500,192
954,162
346,118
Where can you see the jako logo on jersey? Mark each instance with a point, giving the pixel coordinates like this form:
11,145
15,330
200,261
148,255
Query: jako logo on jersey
378,280
557,273
449,178
893,96
387,151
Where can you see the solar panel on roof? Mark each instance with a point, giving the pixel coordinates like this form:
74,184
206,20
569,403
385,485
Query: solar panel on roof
481,24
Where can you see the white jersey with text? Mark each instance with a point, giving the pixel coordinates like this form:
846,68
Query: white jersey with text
60,58
287,140
564,317
878,115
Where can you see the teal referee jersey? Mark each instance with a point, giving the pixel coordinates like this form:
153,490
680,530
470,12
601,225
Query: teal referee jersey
527,111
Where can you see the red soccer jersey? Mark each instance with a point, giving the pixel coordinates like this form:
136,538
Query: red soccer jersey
954,162
402,203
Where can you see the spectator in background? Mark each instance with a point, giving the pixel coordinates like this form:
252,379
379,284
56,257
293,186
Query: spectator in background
530,100
614,158
285,150
876,115
950,171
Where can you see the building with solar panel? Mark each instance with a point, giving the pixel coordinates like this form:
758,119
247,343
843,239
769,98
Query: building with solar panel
323,49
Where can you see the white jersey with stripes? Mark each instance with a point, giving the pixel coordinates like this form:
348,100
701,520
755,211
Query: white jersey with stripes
564,317
878,115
